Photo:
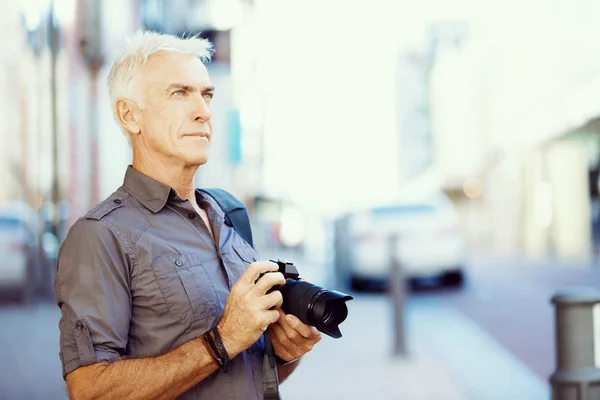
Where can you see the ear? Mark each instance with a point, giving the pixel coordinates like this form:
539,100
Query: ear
128,115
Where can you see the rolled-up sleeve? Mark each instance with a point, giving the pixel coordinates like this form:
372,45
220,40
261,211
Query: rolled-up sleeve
92,290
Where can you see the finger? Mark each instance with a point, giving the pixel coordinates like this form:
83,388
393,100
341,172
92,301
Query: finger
272,316
268,318
290,332
273,299
254,270
279,348
281,315
268,281
299,326
279,335
316,335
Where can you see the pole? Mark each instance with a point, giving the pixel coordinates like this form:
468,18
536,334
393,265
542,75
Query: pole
398,297
577,326
94,122
90,46
55,187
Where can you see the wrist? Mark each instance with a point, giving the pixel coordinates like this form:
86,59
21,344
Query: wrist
282,363
228,341
215,346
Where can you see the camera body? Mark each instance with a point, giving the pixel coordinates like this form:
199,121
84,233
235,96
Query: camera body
322,308
288,269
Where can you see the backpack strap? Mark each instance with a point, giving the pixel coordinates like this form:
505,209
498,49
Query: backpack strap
236,214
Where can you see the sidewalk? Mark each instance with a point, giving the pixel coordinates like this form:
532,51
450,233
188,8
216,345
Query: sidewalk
360,365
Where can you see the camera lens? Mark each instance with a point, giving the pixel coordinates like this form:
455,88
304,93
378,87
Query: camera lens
313,305
328,317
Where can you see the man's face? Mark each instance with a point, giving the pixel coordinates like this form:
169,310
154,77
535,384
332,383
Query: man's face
175,122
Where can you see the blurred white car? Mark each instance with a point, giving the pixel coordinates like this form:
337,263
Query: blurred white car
16,251
430,242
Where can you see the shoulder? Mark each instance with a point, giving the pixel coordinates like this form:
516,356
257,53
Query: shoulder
88,234
94,227
92,243
107,206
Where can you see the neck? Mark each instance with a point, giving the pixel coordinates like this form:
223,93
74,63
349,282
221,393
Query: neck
178,176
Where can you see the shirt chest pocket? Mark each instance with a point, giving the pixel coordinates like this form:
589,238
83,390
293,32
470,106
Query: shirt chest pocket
242,256
186,287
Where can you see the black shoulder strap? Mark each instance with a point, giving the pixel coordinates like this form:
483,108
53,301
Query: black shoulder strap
236,214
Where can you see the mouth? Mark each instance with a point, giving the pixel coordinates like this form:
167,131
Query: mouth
197,134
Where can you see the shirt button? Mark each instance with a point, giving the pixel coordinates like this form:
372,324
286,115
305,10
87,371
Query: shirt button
117,201
178,262
171,194
192,215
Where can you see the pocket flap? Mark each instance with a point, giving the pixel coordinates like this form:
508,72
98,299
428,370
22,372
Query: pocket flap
245,254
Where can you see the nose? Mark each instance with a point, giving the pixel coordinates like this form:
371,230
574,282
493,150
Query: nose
201,111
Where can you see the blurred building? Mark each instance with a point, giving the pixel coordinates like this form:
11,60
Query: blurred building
60,140
317,101
33,96
25,97
511,111
13,101
490,104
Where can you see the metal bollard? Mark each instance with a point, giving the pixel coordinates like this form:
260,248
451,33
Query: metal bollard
577,327
397,287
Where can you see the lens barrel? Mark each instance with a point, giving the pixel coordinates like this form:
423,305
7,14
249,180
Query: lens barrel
322,308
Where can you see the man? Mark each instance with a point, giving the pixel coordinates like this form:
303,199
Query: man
151,269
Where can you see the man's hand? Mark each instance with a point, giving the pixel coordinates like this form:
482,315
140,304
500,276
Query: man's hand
291,337
249,310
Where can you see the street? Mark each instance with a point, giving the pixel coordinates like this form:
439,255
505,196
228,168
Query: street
510,301
493,339
29,366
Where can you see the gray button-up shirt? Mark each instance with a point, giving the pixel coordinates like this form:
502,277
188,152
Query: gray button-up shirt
140,275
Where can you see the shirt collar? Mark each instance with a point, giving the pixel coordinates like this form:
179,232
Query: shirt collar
203,199
148,191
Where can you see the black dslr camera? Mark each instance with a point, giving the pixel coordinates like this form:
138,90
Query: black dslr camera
313,305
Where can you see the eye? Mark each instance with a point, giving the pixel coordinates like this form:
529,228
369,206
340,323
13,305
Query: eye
178,93
208,96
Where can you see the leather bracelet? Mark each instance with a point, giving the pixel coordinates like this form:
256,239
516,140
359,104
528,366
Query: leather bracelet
222,349
214,345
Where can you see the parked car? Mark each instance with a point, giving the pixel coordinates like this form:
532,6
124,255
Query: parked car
430,242
17,251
